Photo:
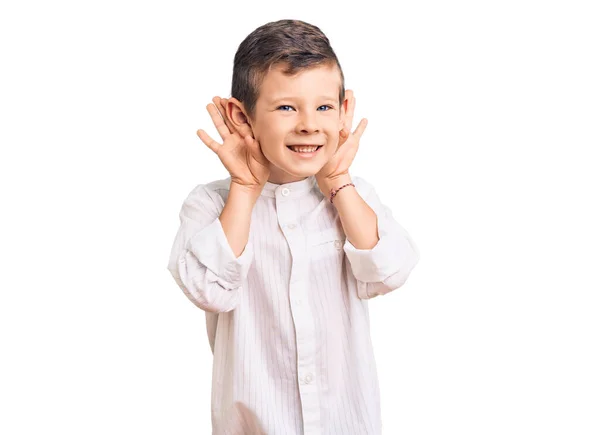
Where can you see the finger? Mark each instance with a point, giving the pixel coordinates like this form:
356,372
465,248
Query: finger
218,121
208,141
221,104
344,134
256,150
360,129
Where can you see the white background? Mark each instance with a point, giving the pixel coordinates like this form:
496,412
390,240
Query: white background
482,138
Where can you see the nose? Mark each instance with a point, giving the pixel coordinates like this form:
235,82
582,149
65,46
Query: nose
307,123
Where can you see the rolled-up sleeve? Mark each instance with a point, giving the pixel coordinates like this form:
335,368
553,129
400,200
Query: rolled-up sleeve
202,261
387,265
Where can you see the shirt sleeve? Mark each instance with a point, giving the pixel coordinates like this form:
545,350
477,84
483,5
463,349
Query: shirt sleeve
202,261
387,265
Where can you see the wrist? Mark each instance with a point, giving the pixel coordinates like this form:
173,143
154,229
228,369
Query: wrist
244,193
330,184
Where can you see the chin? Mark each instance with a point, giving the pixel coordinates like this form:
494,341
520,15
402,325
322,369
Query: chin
305,173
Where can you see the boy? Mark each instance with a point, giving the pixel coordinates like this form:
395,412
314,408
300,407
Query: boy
284,254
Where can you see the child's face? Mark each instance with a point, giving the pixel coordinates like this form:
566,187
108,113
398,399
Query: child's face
294,110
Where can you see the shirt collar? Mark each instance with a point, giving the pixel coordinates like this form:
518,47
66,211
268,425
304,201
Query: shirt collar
293,190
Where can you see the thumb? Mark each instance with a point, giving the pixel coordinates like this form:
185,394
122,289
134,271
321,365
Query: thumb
344,133
255,149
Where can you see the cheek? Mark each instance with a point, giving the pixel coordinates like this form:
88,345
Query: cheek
272,132
270,143
336,126
334,135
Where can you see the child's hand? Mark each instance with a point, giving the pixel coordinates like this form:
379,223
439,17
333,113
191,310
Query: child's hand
241,156
341,160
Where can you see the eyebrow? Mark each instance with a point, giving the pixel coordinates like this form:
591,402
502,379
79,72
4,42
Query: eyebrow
322,97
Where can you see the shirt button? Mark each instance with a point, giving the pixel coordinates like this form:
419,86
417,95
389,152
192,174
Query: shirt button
285,191
308,378
291,226
298,301
338,244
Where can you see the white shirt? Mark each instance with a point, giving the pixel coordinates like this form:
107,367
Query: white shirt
288,320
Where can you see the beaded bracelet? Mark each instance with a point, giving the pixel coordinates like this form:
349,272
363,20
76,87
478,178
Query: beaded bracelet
335,191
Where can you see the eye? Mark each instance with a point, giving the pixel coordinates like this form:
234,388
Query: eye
324,105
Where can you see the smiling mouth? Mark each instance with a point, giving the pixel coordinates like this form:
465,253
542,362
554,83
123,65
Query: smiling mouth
308,152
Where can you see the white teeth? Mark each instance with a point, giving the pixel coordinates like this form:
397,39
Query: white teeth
302,149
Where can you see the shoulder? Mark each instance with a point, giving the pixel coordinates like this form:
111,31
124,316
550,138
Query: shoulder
211,195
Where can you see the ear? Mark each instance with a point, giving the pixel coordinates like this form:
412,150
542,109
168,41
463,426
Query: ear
344,110
236,113
345,103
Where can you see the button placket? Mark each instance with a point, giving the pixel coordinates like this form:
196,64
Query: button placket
302,315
